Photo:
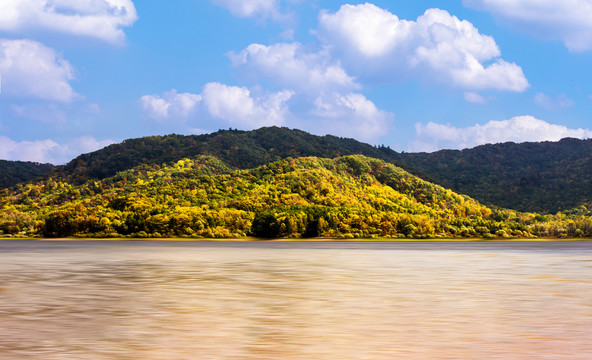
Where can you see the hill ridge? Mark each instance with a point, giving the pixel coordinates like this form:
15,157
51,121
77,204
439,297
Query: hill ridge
533,176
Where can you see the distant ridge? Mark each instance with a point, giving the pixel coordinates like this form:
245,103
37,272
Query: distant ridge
237,148
14,172
532,176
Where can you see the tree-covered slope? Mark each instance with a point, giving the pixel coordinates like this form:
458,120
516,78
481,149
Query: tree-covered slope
351,196
239,149
14,172
538,177
543,177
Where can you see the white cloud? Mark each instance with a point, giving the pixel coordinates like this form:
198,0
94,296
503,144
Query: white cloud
567,20
346,114
474,98
250,8
239,107
44,151
291,66
434,136
350,115
26,150
365,31
549,103
279,11
31,69
170,104
102,19
376,44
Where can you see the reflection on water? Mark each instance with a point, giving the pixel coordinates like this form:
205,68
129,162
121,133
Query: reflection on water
200,300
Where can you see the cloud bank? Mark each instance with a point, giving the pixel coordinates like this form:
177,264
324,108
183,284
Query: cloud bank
360,45
349,114
290,65
170,104
49,151
237,106
434,136
100,19
376,44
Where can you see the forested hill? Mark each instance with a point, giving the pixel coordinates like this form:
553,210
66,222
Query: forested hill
238,149
345,197
543,177
14,172
539,177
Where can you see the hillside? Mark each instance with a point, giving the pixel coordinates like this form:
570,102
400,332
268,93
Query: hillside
14,172
345,197
539,177
239,149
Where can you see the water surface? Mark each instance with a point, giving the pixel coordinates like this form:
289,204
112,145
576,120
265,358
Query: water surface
295,300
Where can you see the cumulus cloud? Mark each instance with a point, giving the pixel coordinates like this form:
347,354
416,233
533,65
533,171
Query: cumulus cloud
170,104
101,19
290,65
569,21
48,151
376,44
351,115
549,103
239,107
347,114
31,69
434,136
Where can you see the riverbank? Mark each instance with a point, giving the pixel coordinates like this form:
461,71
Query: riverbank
254,239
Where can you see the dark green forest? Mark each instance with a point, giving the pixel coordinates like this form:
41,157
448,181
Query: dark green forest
540,177
14,172
239,149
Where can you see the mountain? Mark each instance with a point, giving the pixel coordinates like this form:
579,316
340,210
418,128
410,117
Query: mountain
541,177
538,177
14,172
238,149
345,197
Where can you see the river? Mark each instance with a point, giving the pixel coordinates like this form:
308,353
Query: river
295,300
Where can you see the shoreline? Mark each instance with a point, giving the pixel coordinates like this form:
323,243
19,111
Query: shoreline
249,239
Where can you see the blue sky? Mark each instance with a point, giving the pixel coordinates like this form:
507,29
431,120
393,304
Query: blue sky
77,75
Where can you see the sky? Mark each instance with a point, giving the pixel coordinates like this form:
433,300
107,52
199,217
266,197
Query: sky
77,75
